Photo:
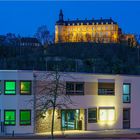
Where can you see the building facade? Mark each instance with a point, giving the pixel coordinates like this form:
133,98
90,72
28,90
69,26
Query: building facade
98,31
100,102
103,30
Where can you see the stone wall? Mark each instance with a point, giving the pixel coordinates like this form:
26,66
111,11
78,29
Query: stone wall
43,124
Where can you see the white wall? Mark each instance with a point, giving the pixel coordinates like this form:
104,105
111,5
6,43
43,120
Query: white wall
82,102
16,102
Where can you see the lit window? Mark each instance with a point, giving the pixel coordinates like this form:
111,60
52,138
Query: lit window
9,117
126,93
106,27
25,87
25,117
101,33
106,33
92,115
10,88
106,114
112,27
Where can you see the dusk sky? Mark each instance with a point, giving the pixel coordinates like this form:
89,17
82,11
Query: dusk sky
24,17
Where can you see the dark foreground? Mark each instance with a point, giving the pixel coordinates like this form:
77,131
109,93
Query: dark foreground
84,135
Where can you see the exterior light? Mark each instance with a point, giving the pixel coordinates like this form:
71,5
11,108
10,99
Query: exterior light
115,36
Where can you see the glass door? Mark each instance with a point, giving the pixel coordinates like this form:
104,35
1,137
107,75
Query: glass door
70,119
126,118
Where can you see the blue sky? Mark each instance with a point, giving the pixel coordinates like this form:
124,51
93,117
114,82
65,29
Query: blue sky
24,17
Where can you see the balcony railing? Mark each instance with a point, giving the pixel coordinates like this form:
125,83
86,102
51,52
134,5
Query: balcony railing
106,91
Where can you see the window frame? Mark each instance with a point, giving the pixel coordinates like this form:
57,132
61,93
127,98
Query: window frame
92,121
106,108
20,87
127,94
26,120
10,90
75,92
14,110
109,94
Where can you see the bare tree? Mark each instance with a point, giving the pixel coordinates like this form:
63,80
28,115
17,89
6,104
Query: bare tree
52,95
43,35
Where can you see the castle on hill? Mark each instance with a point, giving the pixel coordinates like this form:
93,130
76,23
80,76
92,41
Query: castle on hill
94,30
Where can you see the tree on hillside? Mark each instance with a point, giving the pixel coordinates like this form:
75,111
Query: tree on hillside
43,35
51,96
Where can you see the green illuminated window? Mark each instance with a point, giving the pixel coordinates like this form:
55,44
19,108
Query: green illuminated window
25,87
25,117
9,117
10,88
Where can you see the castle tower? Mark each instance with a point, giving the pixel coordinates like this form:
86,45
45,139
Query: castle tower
61,15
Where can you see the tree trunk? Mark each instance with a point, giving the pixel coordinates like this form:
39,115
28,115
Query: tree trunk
52,128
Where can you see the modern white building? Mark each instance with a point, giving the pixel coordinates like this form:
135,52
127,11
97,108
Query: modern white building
101,101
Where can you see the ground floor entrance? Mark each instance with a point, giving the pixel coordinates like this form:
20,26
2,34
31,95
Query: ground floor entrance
70,119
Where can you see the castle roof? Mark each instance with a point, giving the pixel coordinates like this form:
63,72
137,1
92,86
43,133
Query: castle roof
86,22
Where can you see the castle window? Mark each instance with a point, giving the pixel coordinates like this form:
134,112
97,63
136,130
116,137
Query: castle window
69,24
93,23
81,23
106,22
87,23
73,24
102,23
101,34
97,23
112,27
77,23
106,27
111,22
106,33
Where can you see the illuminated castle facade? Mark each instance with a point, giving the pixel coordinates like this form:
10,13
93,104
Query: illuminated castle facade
103,30
99,31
